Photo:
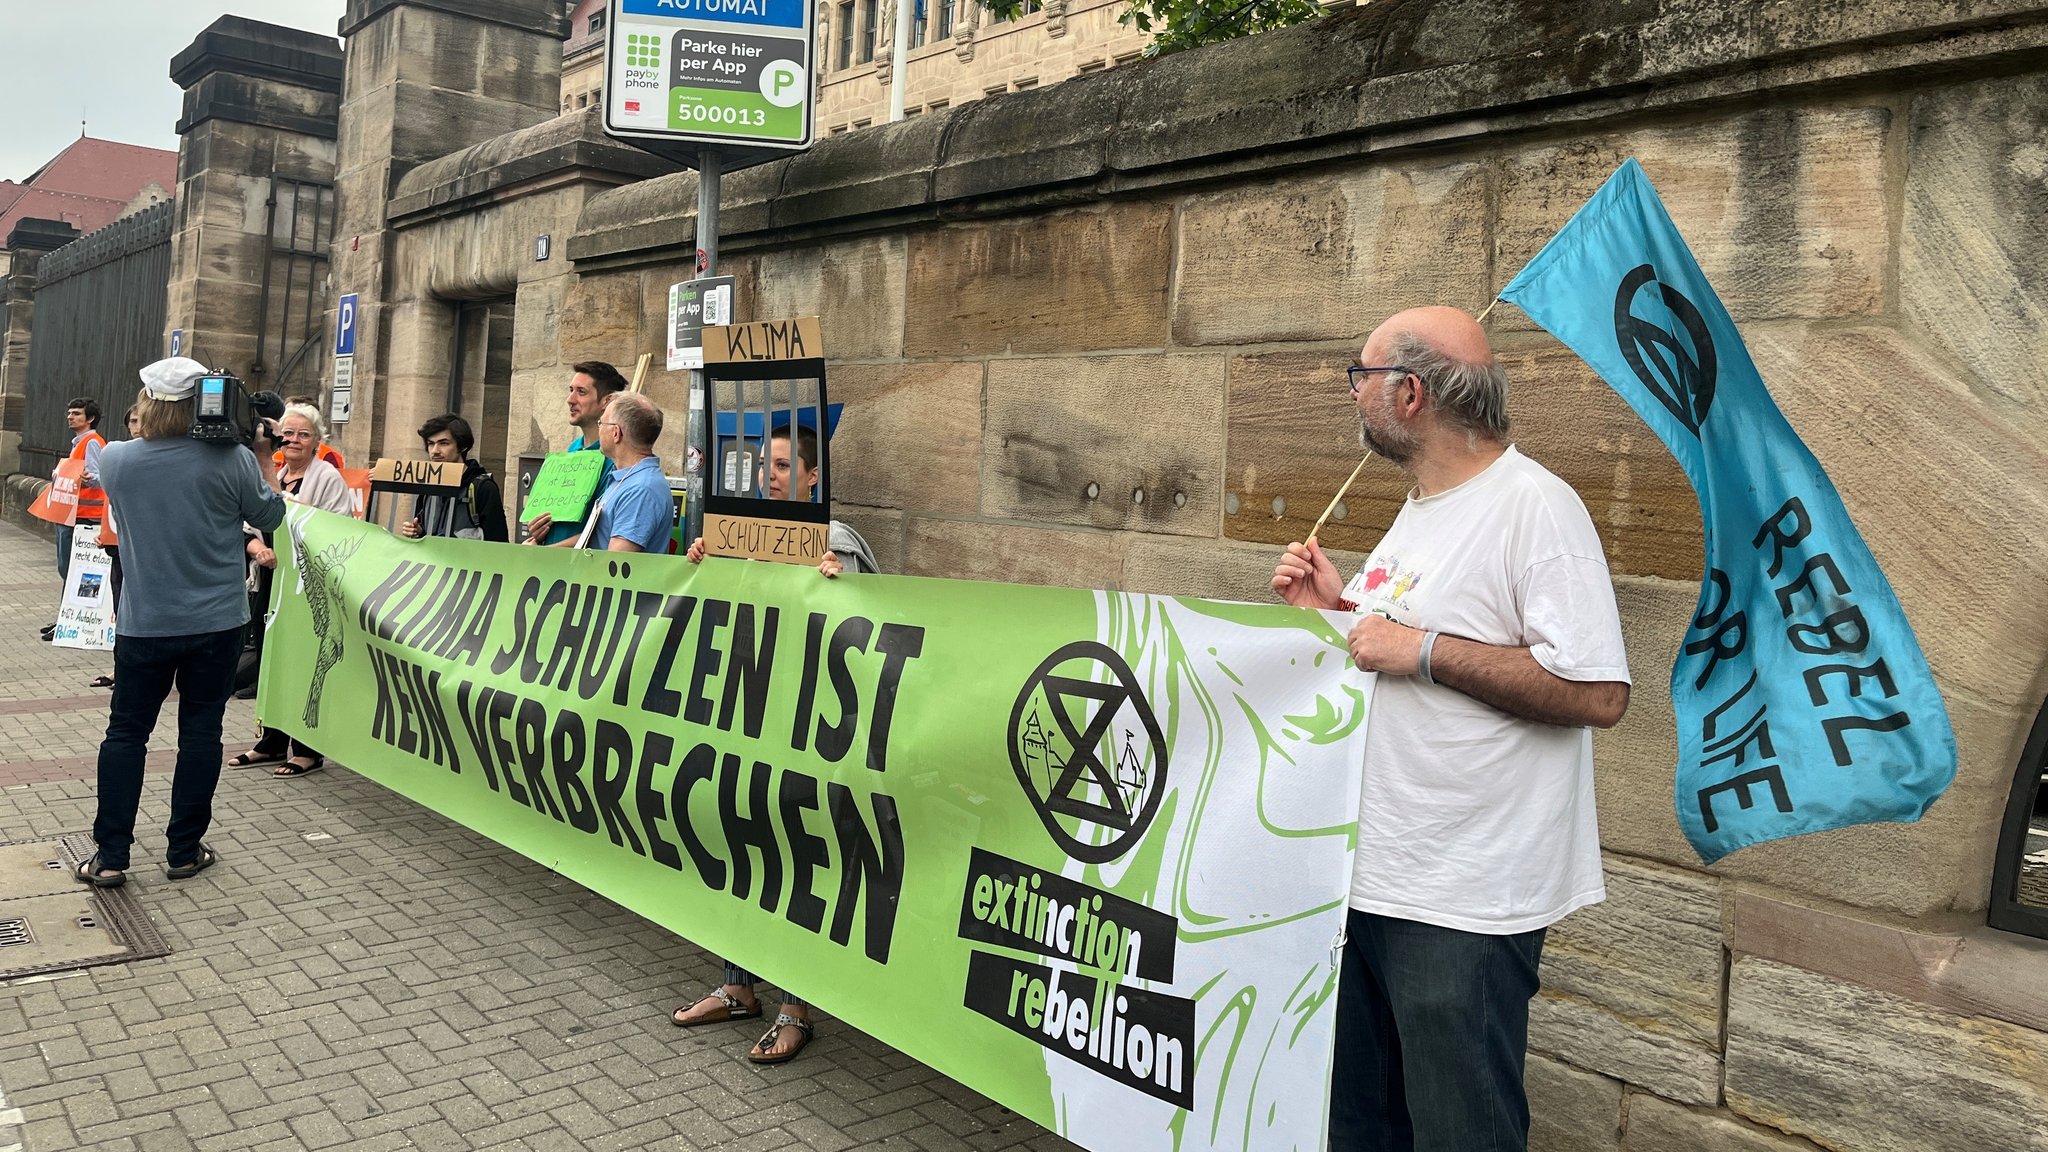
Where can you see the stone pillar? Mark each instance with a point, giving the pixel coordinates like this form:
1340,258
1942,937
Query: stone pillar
425,78
260,101
25,247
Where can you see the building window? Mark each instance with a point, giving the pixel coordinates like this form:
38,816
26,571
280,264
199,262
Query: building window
1129,57
867,29
1090,66
1025,9
596,23
845,16
859,124
1026,82
935,105
945,8
995,90
583,99
917,23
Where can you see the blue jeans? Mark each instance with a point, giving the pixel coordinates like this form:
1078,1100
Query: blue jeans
145,667
64,534
1432,1028
742,976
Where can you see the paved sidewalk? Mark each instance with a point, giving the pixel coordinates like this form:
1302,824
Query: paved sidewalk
359,972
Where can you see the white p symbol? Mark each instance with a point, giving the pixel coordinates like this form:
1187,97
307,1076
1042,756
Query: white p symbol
782,83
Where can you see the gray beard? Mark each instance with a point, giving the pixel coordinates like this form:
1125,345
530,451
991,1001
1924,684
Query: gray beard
1396,452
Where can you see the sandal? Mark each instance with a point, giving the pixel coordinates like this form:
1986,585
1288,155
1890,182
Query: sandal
764,1051
730,1009
289,768
91,873
100,682
254,759
207,858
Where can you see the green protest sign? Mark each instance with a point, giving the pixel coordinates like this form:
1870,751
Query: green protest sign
1086,852
564,485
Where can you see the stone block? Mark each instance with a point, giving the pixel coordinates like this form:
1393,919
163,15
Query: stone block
1634,762
1632,986
430,122
1884,415
1571,1110
1570,421
882,528
1292,442
910,436
1785,208
1066,282
1215,569
600,319
1656,1125
854,288
1976,220
1850,1067
537,320
1129,442
1011,553
1328,259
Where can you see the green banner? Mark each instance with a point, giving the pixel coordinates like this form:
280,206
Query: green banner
1086,852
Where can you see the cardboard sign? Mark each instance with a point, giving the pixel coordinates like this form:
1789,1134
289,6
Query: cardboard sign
764,340
564,486
58,503
757,538
437,473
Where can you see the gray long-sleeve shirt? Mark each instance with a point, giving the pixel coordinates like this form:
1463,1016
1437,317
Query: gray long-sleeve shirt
181,505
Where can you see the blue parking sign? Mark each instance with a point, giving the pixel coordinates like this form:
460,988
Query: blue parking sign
345,327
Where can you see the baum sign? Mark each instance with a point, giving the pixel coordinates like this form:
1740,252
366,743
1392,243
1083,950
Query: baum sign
1103,841
710,72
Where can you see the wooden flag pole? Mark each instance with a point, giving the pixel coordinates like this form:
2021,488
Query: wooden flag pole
1318,529
640,371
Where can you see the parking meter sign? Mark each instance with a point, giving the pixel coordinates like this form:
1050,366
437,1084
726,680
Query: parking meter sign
345,326
710,72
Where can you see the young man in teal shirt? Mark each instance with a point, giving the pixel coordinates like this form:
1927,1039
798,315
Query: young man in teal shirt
591,388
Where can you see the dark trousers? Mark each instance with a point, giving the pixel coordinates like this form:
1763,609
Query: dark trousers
64,534
1432,1029
145,668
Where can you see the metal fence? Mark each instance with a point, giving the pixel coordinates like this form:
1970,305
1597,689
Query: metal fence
99,318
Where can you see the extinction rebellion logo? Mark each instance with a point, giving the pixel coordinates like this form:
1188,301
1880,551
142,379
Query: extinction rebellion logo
1674,360
1088,751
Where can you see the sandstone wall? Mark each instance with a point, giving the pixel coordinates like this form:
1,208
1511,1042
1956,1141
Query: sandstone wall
1095,334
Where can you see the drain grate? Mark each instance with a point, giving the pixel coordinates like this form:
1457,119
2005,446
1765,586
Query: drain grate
49,922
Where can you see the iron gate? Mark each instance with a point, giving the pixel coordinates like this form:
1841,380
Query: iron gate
290,323
99,317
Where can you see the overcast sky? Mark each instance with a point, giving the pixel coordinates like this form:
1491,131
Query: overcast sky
109,61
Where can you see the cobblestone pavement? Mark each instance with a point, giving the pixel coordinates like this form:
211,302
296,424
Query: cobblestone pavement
359,972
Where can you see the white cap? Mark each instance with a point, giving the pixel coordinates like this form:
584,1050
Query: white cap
172,379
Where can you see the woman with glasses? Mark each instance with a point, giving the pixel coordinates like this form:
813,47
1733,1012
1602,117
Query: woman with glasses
304,478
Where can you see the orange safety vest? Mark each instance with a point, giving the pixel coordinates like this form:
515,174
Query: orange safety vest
92,502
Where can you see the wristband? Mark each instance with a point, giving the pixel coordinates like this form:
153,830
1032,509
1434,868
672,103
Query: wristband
1422,657
1344,605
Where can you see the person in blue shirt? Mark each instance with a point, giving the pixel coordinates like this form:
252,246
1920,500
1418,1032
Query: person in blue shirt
636,513
592,385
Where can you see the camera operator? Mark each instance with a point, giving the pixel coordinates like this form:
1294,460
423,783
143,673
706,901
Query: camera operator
182,505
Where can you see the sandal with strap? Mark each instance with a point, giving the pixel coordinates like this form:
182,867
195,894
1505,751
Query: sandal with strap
204,859
91,873
254,759
763,1052
287,770
730,1009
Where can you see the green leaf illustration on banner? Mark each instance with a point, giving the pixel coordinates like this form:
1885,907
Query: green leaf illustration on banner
1100,842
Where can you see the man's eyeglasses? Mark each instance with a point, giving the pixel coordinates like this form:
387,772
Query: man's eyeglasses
1359,374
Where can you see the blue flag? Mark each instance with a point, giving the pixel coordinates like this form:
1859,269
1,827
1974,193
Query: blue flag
1802,697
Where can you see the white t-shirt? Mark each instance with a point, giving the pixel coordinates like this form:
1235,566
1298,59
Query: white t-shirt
1470,818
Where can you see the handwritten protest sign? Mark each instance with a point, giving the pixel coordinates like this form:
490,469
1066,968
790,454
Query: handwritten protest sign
564,486
85,619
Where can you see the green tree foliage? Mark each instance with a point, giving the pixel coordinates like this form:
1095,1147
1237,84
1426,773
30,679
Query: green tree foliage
1178,24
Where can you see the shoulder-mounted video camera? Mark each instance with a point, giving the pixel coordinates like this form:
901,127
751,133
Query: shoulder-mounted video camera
228,413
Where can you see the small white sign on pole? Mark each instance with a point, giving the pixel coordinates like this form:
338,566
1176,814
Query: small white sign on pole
342,397
693,306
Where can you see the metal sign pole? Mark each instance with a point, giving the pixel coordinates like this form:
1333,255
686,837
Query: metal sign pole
697,450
